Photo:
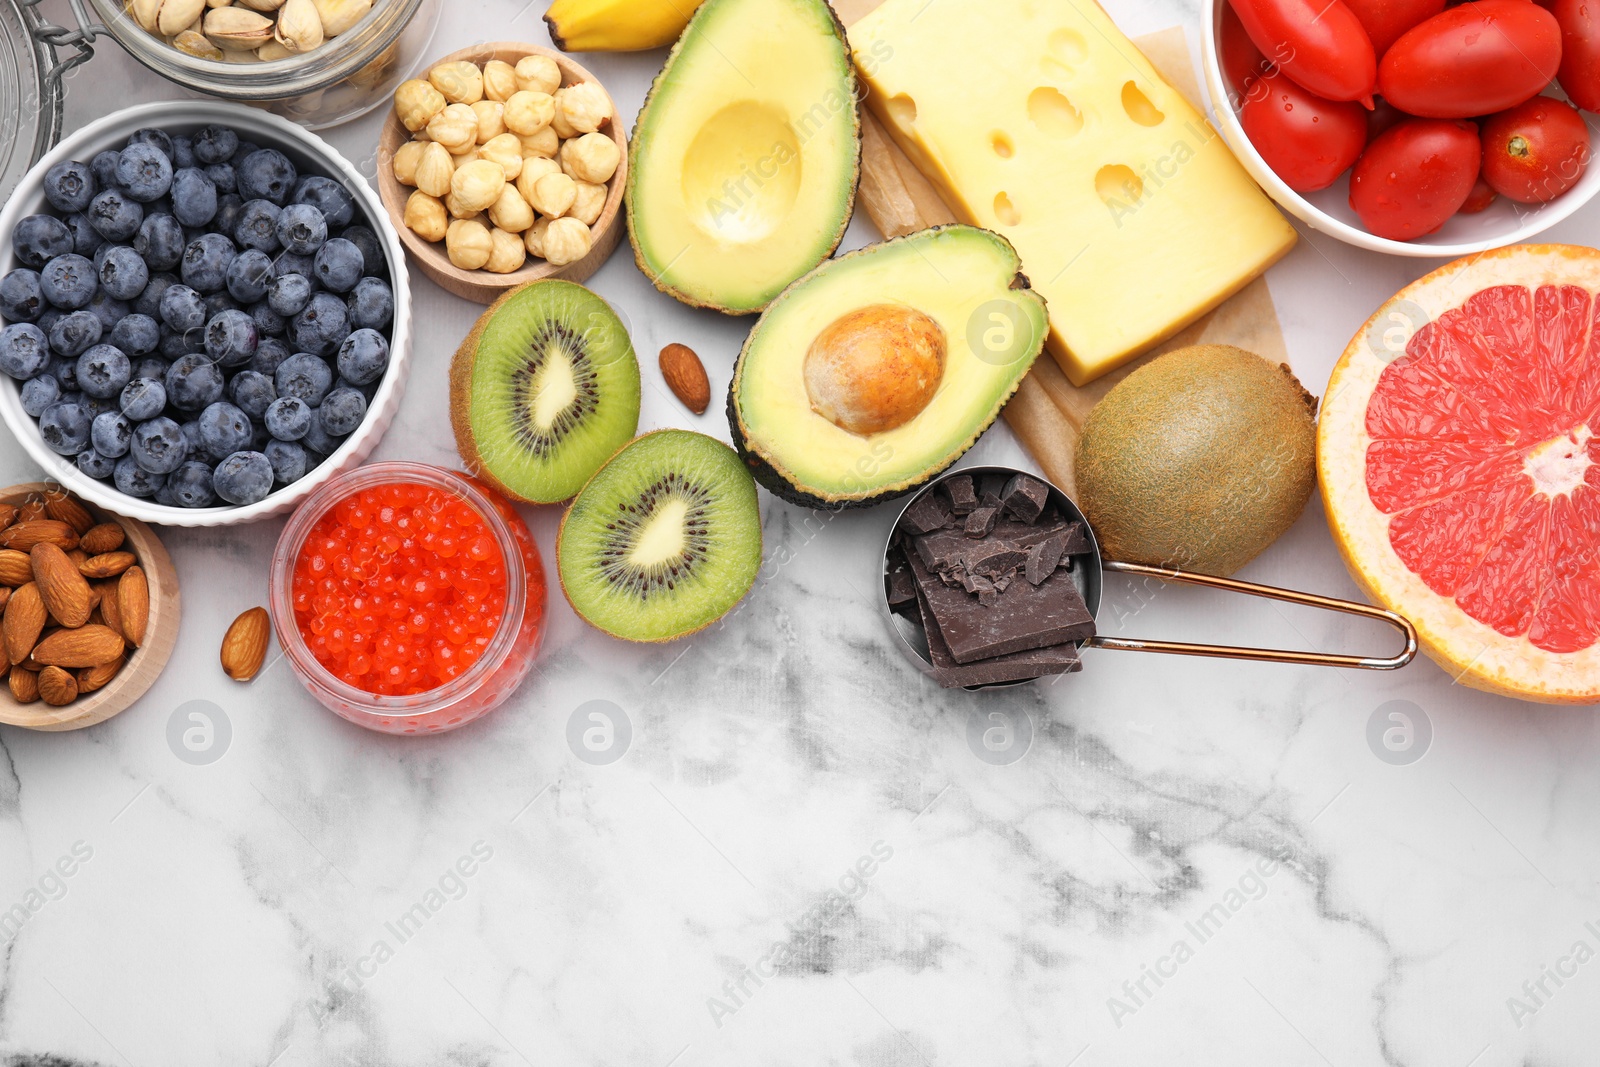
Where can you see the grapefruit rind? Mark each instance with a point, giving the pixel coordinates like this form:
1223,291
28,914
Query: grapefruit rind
1473,653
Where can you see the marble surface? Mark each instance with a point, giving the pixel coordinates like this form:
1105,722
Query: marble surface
799,852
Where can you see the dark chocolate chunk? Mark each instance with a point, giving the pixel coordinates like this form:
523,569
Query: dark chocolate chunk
927,513
1012,667
899,584
1025,497
977,584
981,521
991,485
962,494
1025,616
994,557
942,549
1044,557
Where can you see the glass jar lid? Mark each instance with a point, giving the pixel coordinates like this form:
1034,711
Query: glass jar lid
30,92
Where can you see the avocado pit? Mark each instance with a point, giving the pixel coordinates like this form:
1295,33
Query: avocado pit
875,368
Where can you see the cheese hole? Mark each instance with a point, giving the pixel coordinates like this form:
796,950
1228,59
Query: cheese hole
1069,45
1006,211
902,109
1118,185
1053,113
1139,107
1002,145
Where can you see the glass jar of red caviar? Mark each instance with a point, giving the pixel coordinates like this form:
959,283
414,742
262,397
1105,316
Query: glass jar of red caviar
408,598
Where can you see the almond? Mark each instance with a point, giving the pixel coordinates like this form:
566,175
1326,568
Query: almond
107,537
133,605
686,377
5,658
58,505
108,605
24,535
92,678
87,646
24,621
244,646
15,568
57,687
5,598
8,515
107,564
24,685
32,510
63,589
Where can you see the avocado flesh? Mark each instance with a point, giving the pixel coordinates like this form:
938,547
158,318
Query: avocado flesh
968,281
744,160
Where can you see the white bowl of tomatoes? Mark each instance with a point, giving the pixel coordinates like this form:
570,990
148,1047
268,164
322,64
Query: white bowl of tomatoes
1480,127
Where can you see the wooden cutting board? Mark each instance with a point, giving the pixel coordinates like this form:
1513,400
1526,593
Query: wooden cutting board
1048,410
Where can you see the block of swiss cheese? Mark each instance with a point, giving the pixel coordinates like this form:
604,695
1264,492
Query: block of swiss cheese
1130,214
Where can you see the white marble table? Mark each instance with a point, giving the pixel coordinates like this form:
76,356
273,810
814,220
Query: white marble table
1191,861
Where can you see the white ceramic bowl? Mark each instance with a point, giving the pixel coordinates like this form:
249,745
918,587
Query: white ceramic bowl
309,153
1328,210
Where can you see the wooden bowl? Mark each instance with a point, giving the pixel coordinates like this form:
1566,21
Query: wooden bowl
483,286
147,661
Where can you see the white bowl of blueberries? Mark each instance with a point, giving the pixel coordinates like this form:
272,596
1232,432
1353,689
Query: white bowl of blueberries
204,314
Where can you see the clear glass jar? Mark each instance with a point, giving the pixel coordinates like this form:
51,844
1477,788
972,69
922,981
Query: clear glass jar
488,682
344,78
30,93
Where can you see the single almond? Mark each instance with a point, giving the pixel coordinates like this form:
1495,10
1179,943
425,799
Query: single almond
65,592
686,377
32,509
58,505
22,536
87,646
92,678
133,605
15,568
8,515
108,605
107,564
5,658
106,537
24,685
24,621
5,598
244,646
57,687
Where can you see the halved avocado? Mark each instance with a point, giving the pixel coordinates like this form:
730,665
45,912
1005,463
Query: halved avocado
744,161
878,369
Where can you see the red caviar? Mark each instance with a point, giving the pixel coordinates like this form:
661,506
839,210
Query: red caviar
399,589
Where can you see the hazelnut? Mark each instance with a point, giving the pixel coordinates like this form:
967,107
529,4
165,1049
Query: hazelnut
499,80
468,244
505,150
566,241
527,112
463,158
425,216
416,103
456,127
511,212
405,161
435,169
533,237
508,252
564,129
588,204
477,185
460,82
584,107
542,144
591,158
534,168
457,211
538,74
553,194
491,119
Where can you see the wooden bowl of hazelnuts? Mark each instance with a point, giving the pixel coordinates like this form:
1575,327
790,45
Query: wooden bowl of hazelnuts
505,164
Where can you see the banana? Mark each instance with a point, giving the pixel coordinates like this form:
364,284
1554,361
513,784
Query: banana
617,25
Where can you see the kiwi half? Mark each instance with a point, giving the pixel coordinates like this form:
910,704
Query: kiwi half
543,391
664,540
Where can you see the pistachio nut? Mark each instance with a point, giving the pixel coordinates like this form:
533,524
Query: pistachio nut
339,15
237,29
299,26
196,44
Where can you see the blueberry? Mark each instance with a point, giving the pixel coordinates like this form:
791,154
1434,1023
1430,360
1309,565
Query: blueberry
342,410
160,140
191,434
249,275
38,239
176,343
85,238
267,175
338,265
143,398
363,357
95,465
123,273
257,225
289,461
115,216
218,302
160,241
69,186
134,480
98,405
64,426
371,304
289,294
75,334
24,351
183,153
144,172
20,298
65,371
205,262
270,353
245,148
110,433
301,229
253,392
215,144
244,477
304,376
137,335
99,257
192,382
68,281
190,485
268,322
152,367
317,438
104,168
183,309
322,327
108,309
48,318
158,445
149,302
39,392
288,418
338,207
223,176
103,371
231,338
372,259
224,429
194,197
289,263
229,207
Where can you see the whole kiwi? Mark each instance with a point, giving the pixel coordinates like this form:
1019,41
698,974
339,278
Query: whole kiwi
1198,460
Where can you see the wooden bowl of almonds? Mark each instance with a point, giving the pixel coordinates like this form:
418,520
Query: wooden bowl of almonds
90,610
506,164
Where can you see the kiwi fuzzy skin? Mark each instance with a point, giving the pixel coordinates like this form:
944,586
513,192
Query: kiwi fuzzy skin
1198,460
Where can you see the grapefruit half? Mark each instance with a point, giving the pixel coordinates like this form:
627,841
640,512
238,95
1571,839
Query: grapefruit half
1460,467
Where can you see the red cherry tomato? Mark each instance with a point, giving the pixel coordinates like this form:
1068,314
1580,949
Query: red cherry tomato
1474,59
1480,198
1536,151
1386,20
1412,179
1306,140
1580,51
1318,43
1242,61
